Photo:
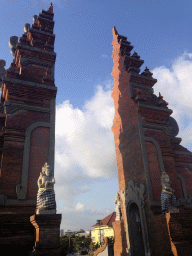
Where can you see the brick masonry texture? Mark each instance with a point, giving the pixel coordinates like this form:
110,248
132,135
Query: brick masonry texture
27,94
27,129
145,146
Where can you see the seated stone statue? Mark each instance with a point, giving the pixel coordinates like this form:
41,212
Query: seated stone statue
46,196
168,199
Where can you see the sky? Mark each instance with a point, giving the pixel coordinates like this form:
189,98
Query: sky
160,31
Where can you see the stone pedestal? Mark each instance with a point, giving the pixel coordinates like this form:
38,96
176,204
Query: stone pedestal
47,234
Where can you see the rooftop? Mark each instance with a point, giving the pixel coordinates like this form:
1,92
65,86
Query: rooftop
107,221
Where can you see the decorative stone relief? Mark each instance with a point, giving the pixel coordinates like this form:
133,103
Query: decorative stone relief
13,44
136,193
172,127
26,27
118,207
35,18
11,108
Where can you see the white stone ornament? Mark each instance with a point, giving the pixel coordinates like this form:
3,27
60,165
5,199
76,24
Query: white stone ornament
46,196
118,207
12,44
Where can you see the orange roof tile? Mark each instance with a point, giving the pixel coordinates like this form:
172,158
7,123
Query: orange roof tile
107,221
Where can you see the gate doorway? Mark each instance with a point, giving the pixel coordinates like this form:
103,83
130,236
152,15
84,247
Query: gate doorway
135,231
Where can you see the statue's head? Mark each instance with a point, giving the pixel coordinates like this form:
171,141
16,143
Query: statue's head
165,178
46,169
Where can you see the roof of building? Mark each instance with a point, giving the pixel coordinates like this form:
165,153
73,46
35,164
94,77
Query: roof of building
107,221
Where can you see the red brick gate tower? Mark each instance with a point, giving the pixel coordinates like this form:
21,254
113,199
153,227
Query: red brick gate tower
146,146
27,121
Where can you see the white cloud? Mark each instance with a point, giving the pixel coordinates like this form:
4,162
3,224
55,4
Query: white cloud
84,139
175,85
84,151
80,207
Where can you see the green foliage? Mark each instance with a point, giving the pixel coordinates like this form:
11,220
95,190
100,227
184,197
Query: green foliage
92,246
72,243
67,245
111,240
87,241
78,242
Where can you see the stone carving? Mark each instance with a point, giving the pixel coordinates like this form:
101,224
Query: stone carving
2,70
168,199
11,107
161,101
35,18
12,44
118,207
135,55
135,193
26,27
46,196
172,126
147,72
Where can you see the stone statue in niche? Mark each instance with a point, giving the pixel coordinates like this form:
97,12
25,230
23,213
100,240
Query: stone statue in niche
168,199
46,196
118,207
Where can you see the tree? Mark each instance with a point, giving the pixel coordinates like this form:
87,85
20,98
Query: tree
87,241
67,245
64,245
97,246
77,242
92,246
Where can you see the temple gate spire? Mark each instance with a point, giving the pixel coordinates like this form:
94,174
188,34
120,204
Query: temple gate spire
154,170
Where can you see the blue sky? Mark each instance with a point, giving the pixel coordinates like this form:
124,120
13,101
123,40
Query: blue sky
160,31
